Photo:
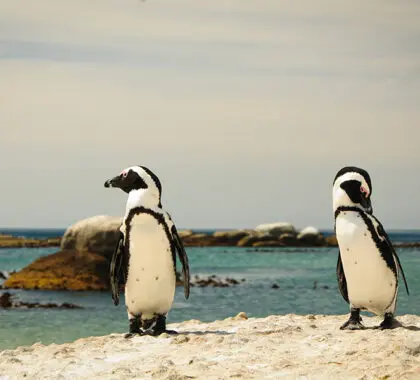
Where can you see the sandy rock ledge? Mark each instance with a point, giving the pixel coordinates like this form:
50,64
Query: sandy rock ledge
286,347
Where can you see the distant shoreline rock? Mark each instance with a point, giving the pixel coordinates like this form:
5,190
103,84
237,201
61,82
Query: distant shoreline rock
99,234
7,302
87,246
9,241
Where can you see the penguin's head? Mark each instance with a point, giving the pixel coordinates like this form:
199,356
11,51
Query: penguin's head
139,181
352,187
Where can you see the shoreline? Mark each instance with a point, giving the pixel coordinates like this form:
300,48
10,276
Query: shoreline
278,346
217,239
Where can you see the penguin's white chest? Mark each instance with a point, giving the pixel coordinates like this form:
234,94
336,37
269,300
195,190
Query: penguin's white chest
371,284
150,285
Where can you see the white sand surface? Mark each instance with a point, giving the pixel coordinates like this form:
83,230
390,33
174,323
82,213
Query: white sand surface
276,347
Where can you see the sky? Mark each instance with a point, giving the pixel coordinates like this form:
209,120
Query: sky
245,109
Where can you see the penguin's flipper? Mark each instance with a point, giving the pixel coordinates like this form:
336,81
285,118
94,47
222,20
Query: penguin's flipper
342,283
390,247
116,269
184,260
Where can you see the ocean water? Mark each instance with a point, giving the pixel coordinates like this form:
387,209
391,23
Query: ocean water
295,270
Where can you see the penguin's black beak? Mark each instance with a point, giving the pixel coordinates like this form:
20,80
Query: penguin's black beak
366,204
113,182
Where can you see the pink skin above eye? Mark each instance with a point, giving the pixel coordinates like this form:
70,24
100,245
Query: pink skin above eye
124,174
364,191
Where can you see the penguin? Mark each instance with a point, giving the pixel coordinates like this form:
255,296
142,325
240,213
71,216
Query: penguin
144,259
368,266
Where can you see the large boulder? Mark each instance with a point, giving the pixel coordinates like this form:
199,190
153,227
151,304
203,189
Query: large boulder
9,241
64,270
199,240
310,236
331,241
98,234
230,237
250,240
185,233
289,239
276,229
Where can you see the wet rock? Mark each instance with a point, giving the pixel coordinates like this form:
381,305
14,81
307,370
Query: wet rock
331,241
64,270
250,240
184,233
268,243
276,229
230,237
310,236
199,240
407,245
214,281
275,286
7,302
9,241
288,239
231,281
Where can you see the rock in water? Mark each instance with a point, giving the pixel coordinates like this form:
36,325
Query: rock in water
250,240
64,270
230,237
276,229
310,236
97,234
6,300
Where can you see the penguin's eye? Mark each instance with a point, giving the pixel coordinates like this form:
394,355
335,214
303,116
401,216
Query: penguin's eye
124,174
364,191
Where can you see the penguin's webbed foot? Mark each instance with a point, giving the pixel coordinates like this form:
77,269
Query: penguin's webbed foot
354,322
160,332
130,335
134,328
388,322
352,325
160,327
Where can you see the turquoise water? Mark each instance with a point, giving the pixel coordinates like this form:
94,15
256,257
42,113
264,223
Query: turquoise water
294,270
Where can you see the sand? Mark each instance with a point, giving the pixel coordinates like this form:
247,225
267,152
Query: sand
276,347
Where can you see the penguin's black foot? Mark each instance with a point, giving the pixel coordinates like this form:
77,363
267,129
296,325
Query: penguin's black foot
130,335
158,332
134,328
352,325
388,322
160,327
354,322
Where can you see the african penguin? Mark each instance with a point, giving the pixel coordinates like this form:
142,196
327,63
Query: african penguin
144,259
368,266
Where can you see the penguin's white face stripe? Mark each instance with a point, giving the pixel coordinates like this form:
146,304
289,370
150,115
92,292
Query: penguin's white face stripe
340,197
